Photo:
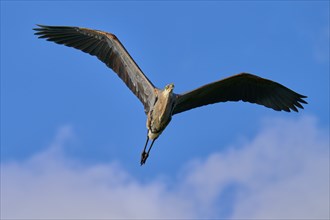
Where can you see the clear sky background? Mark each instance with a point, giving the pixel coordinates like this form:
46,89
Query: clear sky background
72,133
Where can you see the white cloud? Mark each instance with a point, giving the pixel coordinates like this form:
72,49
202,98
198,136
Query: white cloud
282,173
49,185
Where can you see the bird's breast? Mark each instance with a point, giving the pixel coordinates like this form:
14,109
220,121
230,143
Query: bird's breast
160,115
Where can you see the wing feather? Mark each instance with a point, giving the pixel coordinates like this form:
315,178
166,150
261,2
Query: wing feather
107,48
241,87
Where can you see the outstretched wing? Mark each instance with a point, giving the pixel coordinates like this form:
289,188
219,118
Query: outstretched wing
245,87
107,48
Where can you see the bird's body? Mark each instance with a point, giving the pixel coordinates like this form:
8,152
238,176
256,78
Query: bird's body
160,113
161,104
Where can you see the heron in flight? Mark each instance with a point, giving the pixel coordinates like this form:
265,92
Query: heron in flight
161,104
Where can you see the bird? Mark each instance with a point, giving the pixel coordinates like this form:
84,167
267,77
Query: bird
161,104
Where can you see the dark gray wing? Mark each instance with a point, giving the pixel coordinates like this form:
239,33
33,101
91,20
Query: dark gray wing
245,87
107,48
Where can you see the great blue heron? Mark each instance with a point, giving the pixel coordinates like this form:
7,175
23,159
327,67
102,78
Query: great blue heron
161,104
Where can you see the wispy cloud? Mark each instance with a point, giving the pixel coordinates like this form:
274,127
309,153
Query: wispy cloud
283,172
321,45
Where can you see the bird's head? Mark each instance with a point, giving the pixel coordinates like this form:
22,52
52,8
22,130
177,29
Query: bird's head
169,87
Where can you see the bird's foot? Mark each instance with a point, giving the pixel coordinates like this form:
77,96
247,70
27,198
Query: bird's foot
144,157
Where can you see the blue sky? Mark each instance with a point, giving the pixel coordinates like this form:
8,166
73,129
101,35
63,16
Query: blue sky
72,131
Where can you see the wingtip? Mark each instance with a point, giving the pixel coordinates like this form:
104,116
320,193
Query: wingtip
39,27
303,101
